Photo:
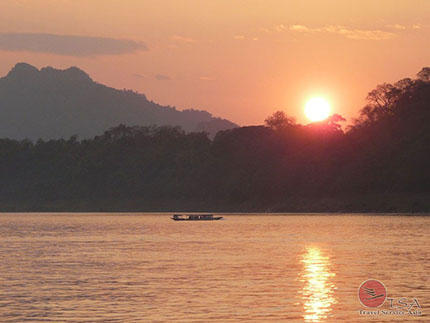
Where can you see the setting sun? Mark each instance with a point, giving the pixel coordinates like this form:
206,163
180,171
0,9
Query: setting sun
317,109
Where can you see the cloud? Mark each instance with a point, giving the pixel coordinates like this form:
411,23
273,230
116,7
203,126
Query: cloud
68,45
138,75
396,26
242,37
299,28
182,39
362,34
162,77
280,28
159,77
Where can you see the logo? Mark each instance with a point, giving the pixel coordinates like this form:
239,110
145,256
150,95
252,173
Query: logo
372,293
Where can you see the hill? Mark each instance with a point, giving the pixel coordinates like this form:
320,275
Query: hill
51,104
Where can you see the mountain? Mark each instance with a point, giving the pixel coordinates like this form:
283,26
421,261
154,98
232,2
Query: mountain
50,103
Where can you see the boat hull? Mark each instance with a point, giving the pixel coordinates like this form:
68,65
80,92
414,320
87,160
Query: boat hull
215,218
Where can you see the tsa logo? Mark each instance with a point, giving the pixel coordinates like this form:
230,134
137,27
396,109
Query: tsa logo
372,293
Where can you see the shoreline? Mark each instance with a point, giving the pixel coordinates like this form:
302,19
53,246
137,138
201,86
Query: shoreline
364,204
254,213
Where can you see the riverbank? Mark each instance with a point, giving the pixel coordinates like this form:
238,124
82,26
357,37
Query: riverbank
389,203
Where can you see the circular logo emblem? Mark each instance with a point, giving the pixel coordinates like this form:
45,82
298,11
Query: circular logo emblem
372,293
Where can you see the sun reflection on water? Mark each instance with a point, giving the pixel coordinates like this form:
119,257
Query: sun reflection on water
318,291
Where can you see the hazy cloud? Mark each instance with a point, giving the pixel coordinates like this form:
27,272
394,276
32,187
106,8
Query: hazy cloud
159,77
280,28
141,76
396,26
162,77
363,34
183,39
242,37
299,28
68,45
360,33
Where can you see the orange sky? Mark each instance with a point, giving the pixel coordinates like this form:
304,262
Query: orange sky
238,59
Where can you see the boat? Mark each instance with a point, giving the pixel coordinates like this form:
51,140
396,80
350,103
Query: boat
195,217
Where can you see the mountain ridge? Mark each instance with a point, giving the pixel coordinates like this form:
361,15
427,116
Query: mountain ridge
51,103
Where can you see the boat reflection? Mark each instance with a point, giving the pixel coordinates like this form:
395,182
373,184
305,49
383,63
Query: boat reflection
318,291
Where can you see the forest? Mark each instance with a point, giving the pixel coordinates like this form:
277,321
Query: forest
379,163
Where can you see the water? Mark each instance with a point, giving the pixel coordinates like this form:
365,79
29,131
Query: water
147,268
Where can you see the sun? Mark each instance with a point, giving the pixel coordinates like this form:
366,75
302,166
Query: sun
317,109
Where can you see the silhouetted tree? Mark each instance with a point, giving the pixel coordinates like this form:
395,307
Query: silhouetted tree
331,124
279,120
424,74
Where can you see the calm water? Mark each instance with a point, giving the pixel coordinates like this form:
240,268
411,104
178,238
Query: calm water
134,268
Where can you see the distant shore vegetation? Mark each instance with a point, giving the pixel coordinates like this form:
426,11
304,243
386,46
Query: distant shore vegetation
379,163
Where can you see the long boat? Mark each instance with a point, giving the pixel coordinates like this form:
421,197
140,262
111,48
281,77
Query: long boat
195,217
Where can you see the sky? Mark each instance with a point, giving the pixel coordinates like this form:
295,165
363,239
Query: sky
238,59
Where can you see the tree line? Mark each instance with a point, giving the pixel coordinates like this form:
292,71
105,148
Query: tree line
379,163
